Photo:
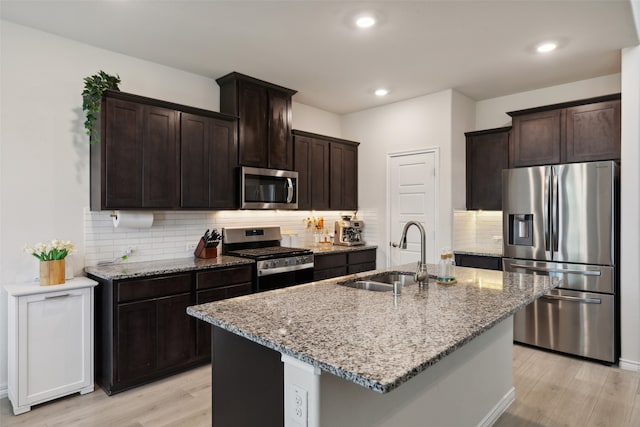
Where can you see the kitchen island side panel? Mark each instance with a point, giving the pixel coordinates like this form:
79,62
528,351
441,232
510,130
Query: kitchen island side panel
247,382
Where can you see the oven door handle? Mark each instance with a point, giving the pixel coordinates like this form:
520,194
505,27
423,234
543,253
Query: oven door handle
285,269
557,270
573,299
289,190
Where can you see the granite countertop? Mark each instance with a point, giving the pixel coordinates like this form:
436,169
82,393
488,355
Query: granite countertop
331,248
129,270
370,338
479,252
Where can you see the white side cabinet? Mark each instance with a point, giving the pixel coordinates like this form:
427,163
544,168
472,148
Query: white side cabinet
50,331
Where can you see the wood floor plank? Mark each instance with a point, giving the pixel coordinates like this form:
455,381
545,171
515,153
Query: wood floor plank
551,390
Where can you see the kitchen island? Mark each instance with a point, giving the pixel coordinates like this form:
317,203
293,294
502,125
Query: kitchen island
324,354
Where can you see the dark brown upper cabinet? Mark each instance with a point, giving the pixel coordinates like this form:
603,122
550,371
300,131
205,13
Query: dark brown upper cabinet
264,126
487,154
137,164
327,172
209,157
577,131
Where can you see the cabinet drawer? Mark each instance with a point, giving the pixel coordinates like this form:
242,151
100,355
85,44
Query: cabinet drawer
478,261
153,288
223,277
358,268
329,273
223,292
330,261
360,257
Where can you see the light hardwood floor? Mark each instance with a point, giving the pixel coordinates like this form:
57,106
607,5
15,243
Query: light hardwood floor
551,390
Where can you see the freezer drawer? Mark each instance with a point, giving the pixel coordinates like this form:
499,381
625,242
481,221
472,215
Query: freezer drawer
579,323
577,277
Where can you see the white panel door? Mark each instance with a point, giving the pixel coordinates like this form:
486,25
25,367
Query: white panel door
412,196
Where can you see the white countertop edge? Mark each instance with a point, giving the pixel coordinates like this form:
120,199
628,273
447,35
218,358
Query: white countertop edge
31,288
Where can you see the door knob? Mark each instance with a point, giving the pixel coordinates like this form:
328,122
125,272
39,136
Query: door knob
394,244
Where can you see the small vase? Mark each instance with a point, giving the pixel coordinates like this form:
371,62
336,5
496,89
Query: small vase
52,272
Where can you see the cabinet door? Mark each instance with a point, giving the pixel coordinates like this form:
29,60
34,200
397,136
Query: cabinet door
537,138
319,165
195,146
176,331
223,158
343,179
122,154
136,340
253,136
593,132
54,345
280,145
210,295
486,156
209,154
302,164
161,156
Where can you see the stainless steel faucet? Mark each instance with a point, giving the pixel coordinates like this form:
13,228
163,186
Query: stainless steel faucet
421,275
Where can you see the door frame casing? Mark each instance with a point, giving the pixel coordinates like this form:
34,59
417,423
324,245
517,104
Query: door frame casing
436,217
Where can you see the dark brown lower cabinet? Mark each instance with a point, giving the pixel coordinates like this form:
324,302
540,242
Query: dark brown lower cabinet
339,264
479,261
215,285
143,331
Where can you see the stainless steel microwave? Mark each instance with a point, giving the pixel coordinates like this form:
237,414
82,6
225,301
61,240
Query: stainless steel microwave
268,188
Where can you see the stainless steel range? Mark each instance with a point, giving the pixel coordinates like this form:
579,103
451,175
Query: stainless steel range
276,266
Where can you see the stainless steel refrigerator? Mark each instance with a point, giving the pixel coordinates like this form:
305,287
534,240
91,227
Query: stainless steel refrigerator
562,220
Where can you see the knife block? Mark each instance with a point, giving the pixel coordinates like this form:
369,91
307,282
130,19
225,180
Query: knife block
203,252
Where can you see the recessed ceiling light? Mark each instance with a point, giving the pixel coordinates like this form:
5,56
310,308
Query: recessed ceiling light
546,47
365,21
381,92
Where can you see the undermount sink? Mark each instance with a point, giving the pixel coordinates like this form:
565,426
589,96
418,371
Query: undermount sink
381,282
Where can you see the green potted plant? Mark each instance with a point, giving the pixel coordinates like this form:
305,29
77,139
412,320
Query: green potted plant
94,87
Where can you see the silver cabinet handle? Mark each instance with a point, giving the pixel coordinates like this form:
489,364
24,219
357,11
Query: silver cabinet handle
56,296
573,299
557,270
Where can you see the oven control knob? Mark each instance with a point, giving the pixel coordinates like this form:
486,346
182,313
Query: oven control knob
285,262
268,264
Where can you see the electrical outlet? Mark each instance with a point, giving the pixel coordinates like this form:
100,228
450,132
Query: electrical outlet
191,246
299,405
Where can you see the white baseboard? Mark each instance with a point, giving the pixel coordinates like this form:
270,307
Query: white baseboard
629,365
499,409
4,391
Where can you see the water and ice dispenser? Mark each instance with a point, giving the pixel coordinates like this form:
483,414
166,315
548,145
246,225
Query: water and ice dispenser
521,229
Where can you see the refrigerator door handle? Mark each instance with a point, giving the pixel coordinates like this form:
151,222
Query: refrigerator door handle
555,214
573,299
557,270
546,213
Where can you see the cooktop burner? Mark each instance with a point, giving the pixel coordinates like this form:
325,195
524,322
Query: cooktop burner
269,252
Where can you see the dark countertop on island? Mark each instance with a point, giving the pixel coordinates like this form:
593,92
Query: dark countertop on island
128,270
370,338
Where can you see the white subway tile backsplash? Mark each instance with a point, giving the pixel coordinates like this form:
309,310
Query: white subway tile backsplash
477,231
173,230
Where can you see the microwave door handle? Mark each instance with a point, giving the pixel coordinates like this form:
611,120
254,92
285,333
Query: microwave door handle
289,190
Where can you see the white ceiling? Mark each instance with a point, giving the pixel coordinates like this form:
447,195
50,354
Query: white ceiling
481,48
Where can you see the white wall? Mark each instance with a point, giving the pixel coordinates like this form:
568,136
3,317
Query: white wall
463,112
413,124
630,199
492,113
44,151
311,119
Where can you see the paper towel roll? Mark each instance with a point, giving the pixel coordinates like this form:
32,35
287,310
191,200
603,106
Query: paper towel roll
132,219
